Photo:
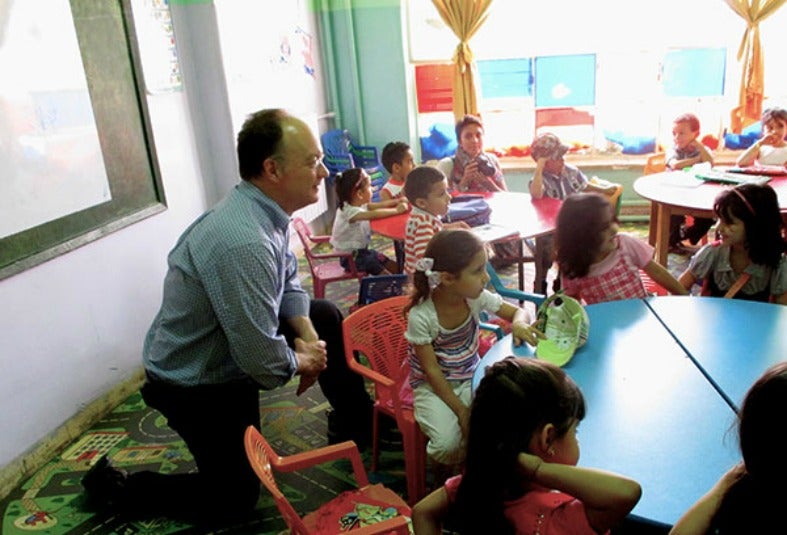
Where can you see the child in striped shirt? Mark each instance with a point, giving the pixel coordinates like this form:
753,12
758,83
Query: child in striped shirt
426,188
449,294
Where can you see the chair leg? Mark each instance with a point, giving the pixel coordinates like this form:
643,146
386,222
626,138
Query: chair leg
414,443
319,288
375,438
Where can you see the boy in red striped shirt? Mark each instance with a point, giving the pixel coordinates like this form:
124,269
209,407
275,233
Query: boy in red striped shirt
426,188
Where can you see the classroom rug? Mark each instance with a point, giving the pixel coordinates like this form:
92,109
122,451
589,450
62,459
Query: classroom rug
136,437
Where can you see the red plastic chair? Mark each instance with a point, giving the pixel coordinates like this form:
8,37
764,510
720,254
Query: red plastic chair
651,286
376,331
325,267
323,521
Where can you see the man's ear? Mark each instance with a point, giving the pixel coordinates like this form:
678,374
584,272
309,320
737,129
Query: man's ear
421,203
270,168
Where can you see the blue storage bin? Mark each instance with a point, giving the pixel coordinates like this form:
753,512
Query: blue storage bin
745,139
632,144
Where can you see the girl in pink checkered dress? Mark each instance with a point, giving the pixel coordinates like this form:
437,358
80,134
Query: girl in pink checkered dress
596,263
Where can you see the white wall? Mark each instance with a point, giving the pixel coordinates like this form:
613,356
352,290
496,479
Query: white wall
73,327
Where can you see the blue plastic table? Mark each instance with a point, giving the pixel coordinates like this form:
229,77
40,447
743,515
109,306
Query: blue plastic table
651,412
732,341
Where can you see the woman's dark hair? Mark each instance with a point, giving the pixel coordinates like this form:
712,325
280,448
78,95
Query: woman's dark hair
259,139
420,181
516,398
581,221
462,123
754,503
758,207
452,251
347,183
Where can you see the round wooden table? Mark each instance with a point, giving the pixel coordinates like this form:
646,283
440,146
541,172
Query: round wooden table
680,193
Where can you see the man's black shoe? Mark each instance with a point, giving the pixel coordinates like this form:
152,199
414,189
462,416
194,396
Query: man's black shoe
104,484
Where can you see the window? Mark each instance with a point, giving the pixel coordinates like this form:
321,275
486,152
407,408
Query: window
600,72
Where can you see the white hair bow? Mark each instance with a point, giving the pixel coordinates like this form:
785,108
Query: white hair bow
425,265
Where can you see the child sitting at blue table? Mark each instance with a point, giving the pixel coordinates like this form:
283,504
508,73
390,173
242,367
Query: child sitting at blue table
687,151
750,497
596,263
397,158
449,294
749,261
351,230
521,475
771,148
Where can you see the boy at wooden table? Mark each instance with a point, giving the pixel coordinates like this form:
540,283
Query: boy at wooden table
555,178
687,151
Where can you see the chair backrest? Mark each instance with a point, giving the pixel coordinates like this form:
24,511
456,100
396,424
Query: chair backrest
505,291
656,163
259,453
377,332
651,287
336,142
306,237
303,230
616,199
378,287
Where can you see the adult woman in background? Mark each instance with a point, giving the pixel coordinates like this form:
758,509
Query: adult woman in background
471,169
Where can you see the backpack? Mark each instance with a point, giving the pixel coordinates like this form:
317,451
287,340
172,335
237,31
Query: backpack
472,209
566,325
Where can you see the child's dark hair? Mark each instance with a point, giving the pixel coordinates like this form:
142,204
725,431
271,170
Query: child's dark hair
420,181
773,114
347,183
514,400
581,221
758,207
462,123
754,502
690,119
394,152
763,407
452,250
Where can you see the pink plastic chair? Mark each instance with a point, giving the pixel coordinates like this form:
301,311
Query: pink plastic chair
325,267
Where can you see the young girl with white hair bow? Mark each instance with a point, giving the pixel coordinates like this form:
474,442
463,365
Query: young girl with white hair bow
443,330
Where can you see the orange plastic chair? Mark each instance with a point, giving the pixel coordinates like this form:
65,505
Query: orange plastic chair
615,197
376,331
656,163
325,267
263,460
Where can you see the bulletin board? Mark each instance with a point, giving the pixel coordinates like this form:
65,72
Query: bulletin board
97,191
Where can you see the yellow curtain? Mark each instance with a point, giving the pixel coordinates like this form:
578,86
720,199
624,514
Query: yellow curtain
464,17
752,78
